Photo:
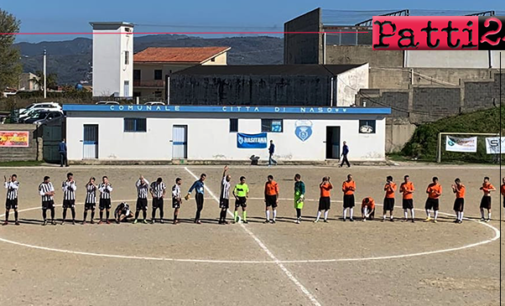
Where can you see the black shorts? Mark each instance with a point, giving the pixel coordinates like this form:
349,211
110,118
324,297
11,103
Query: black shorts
431,204
68,204
88,206
389,204
271,200
459,204
349,201
158,203
141,204
11,204
104,204
176,203
485,202
241,202
408,204
324,203
47,204
224,203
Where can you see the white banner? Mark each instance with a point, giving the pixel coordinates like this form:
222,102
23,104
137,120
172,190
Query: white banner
493,145
457,144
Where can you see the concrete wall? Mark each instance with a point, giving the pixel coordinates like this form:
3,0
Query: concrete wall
349,83
451,59
250,90
398,133
155,144
304,48
363,54
20,154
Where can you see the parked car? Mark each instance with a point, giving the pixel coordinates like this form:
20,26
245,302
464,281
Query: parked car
40,105
107,103
43,115
154,103
50,117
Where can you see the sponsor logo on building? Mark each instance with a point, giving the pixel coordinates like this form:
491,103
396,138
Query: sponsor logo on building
252,141
303,129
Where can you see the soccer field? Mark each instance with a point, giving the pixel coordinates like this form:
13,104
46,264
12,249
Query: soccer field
335,263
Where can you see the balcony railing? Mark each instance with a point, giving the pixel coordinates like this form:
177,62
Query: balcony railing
152,83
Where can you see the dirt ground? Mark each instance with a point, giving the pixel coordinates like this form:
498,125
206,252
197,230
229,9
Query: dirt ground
360,263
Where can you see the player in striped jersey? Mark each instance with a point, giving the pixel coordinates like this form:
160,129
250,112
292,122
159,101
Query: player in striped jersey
142,189
11,202
158,190
69,187
105,189
176,198
224,198
90,202
46,191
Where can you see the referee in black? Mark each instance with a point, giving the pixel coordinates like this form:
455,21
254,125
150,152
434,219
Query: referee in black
69,187
12,186
158,190
46,191
105,203
142,190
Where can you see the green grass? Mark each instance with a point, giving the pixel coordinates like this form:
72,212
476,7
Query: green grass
28,163
423,143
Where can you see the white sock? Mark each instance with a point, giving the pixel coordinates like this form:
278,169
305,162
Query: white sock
461,216
268,214
326,214
482,213
365,212
436,214
458,214
345,213
318,215
384,217
489,215
275,214
351,213
428,213
406,213
412,213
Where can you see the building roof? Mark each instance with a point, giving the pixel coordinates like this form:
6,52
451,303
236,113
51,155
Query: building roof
178,55
323,70
111,25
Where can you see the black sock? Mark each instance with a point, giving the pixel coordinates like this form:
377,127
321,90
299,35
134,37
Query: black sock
223,215
16,215
7,216
175,215
107,214
93,215
137,214
73,213
298,213
53,212
101,215
44,214
85,215
64,214
153,215
162,214
144,214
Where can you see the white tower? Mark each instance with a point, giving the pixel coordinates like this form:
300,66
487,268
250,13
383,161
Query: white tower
112,59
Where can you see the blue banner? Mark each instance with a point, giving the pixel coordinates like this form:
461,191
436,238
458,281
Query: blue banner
252,141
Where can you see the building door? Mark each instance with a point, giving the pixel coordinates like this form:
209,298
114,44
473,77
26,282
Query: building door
180,142
332,142
90,141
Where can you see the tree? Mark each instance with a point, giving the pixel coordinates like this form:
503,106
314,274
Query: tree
51,81
10,66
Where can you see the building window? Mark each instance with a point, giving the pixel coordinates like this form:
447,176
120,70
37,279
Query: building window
157,74
137,94
136,75
233,125
367,126
127,57
271,125
135,124
213,59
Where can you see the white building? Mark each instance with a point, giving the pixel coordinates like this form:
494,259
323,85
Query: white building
226,133
112,59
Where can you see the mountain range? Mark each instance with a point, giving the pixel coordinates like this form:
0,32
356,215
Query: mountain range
71,59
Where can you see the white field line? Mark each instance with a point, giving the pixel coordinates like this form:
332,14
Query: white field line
269,253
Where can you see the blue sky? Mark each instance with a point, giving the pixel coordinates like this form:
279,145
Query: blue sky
191,15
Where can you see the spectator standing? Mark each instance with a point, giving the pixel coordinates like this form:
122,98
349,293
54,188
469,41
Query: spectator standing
345,151
62,149
271,151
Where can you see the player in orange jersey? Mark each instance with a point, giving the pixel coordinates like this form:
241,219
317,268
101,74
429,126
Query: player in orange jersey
434,192
407,189
459,204
368,209
485,203
348,188
389,198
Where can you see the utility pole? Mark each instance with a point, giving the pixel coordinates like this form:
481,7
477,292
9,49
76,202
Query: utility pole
44,72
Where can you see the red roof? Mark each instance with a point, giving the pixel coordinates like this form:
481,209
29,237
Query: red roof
178,55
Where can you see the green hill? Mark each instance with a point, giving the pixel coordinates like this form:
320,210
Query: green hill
423,144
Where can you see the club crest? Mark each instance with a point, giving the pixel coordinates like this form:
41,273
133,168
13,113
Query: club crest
303,129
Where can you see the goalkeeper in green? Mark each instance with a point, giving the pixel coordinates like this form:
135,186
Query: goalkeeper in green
299,197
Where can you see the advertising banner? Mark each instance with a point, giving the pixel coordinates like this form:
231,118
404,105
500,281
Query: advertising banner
252,141
493,145
14,139
458,144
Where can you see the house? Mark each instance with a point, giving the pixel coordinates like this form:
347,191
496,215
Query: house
153,65
28,82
